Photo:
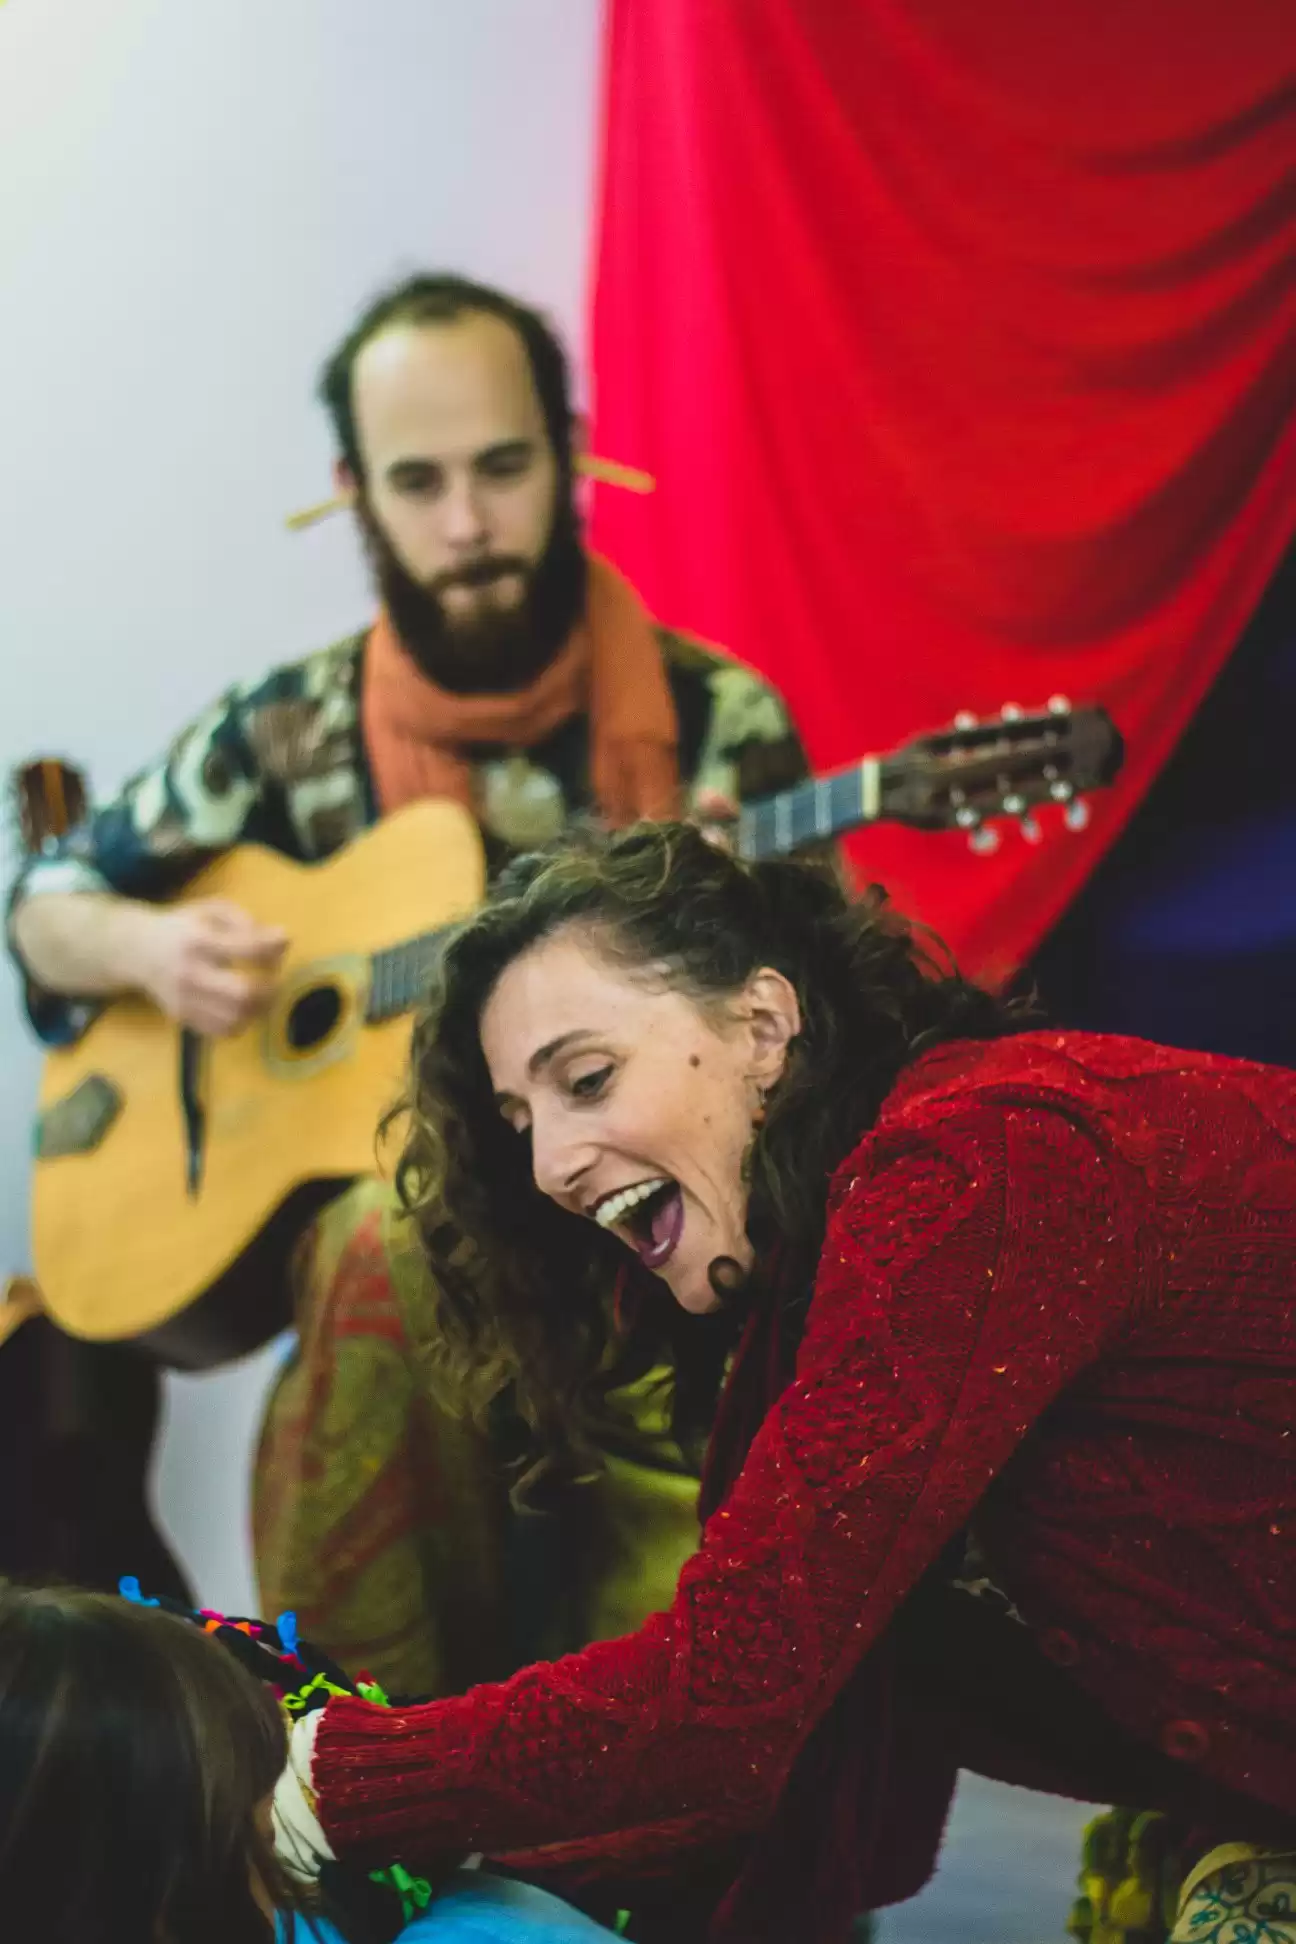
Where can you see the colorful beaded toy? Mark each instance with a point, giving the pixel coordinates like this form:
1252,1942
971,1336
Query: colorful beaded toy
303,1680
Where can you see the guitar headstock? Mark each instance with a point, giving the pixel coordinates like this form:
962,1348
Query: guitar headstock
1007,766
51,798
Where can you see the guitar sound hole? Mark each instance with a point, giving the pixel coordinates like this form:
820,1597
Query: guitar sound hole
312,1017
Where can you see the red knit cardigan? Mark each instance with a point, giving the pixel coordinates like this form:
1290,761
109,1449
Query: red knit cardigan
1058,1288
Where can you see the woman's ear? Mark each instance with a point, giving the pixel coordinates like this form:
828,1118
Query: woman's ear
773,1016
344,481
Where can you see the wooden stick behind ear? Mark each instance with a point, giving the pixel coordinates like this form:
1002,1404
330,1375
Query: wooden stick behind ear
309,516
608,472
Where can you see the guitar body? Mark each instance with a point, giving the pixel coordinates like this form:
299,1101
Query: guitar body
124,1240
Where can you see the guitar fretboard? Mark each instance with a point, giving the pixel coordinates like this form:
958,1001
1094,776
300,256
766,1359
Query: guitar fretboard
811,813
400,976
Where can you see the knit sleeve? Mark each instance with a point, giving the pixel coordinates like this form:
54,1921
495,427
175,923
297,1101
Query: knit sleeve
970,1271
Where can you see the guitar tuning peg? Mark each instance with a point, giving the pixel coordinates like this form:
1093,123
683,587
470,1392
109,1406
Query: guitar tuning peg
965,719
1076,814
984,841
1012,712
1059,705
1030,830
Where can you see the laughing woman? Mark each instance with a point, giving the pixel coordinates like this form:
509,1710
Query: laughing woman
1003,1473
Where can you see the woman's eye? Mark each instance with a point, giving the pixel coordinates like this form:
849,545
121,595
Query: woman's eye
590,1085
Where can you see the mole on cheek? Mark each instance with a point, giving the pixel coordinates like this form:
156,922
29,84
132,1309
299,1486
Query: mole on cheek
695,1059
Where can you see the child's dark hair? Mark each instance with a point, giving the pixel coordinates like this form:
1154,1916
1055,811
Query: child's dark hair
136,1762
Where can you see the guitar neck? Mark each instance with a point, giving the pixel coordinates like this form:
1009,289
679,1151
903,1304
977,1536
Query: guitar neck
812,812
952,780
400,975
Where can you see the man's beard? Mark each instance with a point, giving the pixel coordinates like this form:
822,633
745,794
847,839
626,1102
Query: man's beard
492,650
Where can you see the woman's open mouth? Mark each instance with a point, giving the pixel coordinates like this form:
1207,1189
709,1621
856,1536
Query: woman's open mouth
648,1216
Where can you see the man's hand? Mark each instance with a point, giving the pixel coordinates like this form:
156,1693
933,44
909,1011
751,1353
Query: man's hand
208,965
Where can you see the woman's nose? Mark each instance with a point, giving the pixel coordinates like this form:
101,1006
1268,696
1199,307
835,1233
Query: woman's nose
559,1160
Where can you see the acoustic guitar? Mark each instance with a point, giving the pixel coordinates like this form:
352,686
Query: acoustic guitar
171,1172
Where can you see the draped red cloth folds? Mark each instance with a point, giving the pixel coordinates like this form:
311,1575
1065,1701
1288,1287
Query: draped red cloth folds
962,343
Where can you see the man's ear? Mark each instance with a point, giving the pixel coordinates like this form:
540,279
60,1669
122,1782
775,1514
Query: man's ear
344,481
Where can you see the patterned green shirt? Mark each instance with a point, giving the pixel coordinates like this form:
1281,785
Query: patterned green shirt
281,762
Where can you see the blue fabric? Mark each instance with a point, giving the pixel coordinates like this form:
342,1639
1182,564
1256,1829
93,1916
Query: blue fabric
477,1908
1187,931
1218,896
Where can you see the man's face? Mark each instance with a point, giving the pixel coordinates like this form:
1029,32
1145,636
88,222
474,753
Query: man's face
460,492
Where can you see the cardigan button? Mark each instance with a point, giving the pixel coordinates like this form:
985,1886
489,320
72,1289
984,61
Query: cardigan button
1059,1647
1185,1741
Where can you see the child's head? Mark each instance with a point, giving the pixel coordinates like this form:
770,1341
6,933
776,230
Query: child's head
137,1759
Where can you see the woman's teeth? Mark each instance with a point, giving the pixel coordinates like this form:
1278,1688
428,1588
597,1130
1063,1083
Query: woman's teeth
614,1208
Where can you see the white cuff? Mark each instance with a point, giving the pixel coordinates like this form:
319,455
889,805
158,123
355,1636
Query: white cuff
300,1842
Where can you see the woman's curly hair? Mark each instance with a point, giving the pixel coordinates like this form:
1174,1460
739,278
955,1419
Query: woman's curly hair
525,1294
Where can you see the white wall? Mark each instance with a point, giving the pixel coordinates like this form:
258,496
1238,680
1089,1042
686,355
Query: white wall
195,199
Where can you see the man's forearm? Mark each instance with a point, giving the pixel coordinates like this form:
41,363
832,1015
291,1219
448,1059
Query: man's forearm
87,944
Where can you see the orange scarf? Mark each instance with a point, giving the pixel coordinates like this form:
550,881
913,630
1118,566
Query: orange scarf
416,733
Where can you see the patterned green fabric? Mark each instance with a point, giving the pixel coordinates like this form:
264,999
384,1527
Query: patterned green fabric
382,1521
1240,1895
281,762
1133,1889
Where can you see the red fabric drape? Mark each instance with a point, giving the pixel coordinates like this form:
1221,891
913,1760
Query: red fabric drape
961,338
